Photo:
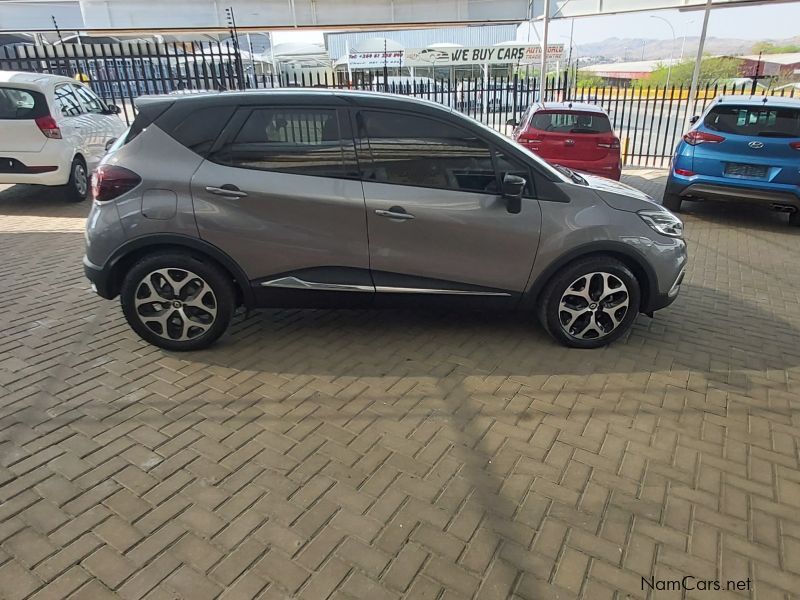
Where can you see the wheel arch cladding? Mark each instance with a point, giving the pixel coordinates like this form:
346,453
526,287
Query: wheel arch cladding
637,264
136,249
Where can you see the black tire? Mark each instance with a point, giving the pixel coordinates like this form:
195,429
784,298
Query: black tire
794,218
549,307
77,188
672,202
222,299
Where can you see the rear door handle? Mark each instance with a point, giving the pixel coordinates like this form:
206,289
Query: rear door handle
231,191
394,213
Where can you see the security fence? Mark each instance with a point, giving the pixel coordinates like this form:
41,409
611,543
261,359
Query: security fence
648,120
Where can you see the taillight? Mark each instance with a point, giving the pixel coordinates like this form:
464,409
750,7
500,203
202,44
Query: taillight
613,144
695,137
795,145
684,172
48,126
110,181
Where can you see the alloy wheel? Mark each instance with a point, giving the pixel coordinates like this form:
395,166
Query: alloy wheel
81,179
175,304
593,306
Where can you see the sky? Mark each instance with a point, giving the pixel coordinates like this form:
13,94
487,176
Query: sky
752,22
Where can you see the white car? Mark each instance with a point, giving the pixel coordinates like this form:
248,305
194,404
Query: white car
53,131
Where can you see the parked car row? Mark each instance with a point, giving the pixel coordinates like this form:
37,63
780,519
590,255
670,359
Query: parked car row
344,198
740,150
54,131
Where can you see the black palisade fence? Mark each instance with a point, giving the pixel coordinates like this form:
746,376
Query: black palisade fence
648,120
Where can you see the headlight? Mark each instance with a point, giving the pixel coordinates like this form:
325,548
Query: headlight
663,221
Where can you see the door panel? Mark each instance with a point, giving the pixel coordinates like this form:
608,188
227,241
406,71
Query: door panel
290,231
70,117
285,222
467,239
434,211
100,127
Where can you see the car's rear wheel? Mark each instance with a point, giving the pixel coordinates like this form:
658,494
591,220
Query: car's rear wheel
590,303
794,218
77,188
672,202
177,301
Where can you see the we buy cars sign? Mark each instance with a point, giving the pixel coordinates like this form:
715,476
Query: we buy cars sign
505,54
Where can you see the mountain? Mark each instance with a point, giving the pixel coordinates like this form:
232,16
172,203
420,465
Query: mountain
629,49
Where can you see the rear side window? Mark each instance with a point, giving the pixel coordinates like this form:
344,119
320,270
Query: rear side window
300,141
408,149
19,104
759,121
199,129
571,122
66,101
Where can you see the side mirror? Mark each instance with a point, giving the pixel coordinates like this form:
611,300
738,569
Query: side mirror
113,109
512,122
513,186
694,119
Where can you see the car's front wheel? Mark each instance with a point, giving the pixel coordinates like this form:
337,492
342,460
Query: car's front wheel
794,218
590,303
177,301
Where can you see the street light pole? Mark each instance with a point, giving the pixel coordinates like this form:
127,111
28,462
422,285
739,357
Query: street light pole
543,64
697,64
671,49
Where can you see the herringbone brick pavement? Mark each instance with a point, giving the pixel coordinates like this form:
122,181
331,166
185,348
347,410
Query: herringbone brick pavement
337,454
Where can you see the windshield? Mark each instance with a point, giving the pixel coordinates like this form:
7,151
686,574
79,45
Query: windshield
758,121
570,122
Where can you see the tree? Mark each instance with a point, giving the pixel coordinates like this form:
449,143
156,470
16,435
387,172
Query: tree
770,48
712,70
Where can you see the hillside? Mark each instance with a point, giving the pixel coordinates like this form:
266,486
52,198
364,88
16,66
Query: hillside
621,49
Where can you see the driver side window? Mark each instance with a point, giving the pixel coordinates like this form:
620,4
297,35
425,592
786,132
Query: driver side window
409,149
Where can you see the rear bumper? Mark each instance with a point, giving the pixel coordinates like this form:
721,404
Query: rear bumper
99,277
610,168
60,176
19,167
750,192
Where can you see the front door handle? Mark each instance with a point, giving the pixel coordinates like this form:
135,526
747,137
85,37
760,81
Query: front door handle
394,213
229,190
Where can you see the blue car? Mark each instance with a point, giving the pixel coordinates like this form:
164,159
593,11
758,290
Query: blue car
742,149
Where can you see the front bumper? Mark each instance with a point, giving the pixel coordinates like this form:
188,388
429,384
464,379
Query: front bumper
662,300
100,279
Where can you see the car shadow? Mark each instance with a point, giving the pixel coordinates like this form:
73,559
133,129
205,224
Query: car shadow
703,331
39,201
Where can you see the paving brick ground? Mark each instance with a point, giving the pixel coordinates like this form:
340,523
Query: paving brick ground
317,454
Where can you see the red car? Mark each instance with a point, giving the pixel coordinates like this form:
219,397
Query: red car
571,134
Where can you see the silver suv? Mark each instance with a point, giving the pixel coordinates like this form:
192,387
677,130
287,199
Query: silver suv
320,198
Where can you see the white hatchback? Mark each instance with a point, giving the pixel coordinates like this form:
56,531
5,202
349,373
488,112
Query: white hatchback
53,131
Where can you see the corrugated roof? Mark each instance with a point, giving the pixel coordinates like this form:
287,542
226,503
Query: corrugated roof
787,58
638,66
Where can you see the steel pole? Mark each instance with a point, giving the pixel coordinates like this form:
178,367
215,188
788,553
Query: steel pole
700,46
671,49
543,63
